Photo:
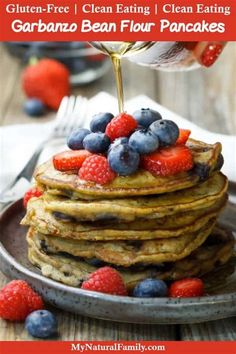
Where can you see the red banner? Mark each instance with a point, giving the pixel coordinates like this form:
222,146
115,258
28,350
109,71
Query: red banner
118,347
86,20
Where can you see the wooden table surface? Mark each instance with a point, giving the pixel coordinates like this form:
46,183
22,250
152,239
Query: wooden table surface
206,97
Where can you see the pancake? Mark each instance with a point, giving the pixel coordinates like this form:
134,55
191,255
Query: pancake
128,253
45,222
206,158
202,195
215,251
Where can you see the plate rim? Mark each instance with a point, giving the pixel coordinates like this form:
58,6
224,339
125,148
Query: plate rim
165,301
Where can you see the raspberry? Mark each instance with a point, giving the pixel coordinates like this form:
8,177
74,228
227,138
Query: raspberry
18,300
120,126
189,287
168,161
183,136
70,160
105,280
96,169
32,192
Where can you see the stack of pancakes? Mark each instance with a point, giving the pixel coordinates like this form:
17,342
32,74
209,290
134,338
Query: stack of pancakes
143,225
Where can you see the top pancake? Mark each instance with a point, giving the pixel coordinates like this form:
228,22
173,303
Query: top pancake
206,160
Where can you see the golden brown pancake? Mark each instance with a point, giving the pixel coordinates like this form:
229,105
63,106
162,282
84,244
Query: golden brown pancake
206,161
45,222
151,207
215,251
128,253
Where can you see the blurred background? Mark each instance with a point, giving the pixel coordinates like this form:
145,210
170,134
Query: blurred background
204,96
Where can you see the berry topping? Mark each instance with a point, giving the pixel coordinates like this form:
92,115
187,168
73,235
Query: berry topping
96,142
123,159
99,122
70,160
121,126
144,141
34,107
96,169
41,324
76,138
31,193
146,116
105,280
168,161
166,131
18,300
47,80
150,288
187,288
183,136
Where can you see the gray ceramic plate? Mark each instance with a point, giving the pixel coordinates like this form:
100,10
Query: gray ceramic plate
219,303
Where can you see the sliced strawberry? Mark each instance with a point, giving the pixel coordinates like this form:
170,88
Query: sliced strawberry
70,160
168,161
183,136
189,287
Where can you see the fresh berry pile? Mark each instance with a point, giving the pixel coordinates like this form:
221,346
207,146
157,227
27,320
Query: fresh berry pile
107,280
121,145
19,302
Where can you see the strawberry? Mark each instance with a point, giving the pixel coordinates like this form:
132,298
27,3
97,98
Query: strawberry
189,287
183,136
32,192
105,280
18,300
121,126
47,80
70,160
96,169
168,161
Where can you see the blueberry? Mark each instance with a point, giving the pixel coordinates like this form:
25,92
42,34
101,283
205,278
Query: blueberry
76,45
41,324
76,138
63,217
144,141
34,107
100,121
96,142
150,288
75,65
118,141
146,116
95,262
166,130
123,159
202,171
